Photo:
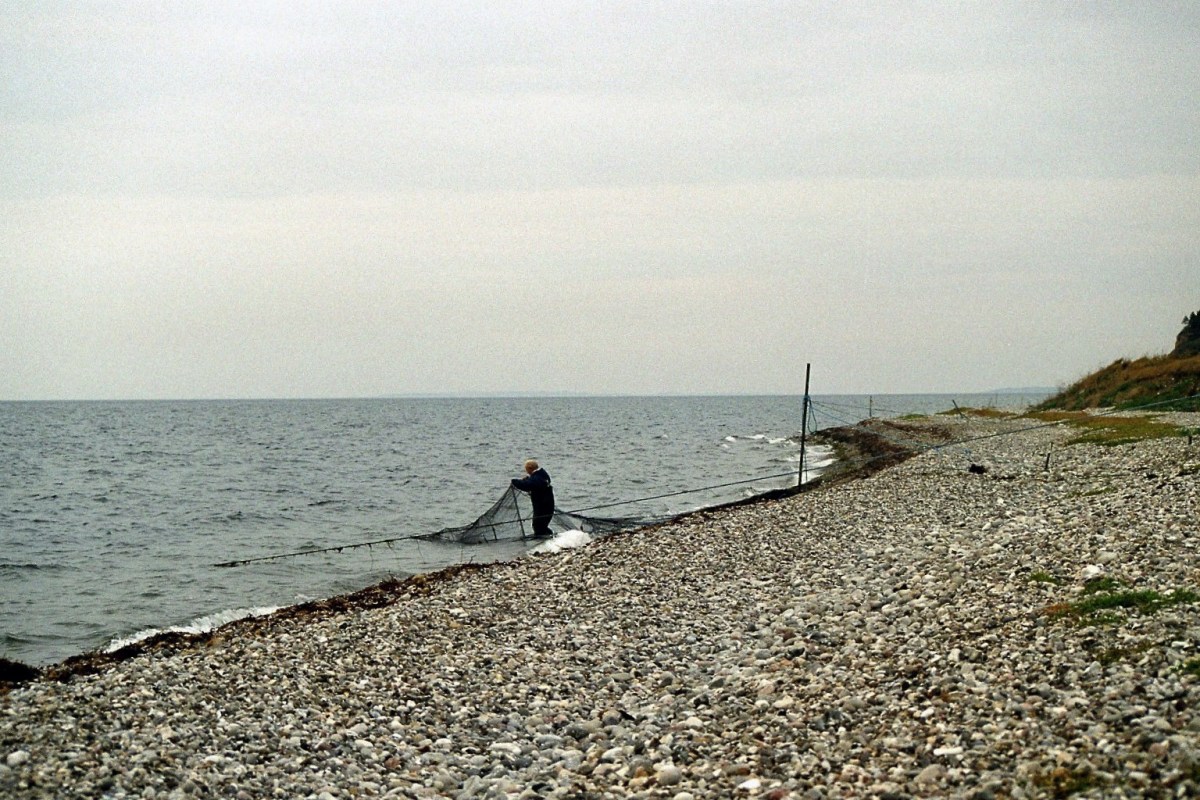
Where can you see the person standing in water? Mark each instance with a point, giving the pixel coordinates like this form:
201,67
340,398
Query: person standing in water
536,484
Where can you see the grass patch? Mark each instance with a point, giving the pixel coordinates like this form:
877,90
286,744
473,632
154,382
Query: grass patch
1113,431
1125,383
968,411
1105,602
1109,430
1146,601
1102,584
1093,607
1046,577
1191,667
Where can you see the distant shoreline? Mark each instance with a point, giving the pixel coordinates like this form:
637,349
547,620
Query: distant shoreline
527,395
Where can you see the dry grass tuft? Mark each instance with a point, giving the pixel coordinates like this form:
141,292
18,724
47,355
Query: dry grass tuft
1127,384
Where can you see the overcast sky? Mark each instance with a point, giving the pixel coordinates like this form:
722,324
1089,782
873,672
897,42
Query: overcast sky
355,199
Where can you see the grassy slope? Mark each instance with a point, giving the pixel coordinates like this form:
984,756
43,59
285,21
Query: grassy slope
1127,384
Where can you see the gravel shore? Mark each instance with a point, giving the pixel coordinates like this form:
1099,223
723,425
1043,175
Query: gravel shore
967,623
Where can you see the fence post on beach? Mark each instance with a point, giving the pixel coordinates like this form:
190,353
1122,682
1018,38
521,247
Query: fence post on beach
804,425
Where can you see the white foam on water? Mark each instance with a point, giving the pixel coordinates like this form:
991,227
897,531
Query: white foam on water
566,540
203,624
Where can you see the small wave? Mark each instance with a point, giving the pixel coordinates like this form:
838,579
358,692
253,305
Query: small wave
762,438
203,624
811,461
28,567
238,516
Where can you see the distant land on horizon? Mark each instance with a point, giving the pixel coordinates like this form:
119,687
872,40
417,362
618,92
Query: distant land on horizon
1024,390
466,395
550,394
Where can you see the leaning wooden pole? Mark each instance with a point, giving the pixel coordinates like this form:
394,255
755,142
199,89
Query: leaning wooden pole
804,425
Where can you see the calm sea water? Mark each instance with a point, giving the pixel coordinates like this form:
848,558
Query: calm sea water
112,514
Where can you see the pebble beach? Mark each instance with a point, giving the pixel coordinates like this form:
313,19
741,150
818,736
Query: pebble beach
1011,617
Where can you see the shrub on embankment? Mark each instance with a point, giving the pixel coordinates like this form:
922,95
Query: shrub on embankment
1170,382
1166,380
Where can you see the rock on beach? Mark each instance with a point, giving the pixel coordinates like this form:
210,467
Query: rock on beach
927,631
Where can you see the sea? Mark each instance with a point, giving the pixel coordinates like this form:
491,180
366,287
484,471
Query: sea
114,515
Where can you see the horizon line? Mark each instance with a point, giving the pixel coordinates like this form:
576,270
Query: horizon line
516,395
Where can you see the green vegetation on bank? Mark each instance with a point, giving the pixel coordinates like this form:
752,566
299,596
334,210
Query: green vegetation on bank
969,411
1164,380
1111,430
1106,604
1103,429
1101,596
1170,381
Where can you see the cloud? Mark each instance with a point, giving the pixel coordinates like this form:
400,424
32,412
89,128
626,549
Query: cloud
367,198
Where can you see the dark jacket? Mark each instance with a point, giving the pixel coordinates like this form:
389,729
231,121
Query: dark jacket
540,491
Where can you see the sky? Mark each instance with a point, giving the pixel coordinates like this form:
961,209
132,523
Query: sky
352,199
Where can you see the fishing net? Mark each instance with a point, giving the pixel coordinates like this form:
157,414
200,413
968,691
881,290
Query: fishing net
511,518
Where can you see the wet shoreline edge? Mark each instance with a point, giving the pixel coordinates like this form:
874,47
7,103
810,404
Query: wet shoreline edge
860,450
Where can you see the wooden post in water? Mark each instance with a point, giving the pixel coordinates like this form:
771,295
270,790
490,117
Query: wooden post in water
804,425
